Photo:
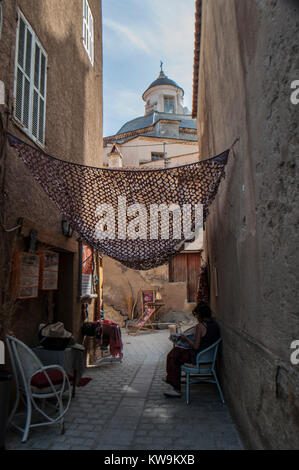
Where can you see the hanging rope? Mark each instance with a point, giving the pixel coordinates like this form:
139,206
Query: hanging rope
78,191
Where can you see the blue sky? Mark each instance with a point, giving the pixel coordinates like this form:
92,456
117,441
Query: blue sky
137,34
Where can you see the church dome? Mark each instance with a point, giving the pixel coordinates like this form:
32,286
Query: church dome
163,80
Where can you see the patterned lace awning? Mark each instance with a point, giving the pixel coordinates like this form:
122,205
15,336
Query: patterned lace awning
78,191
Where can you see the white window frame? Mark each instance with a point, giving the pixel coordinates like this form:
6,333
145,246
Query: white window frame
32,87
88,31
168,98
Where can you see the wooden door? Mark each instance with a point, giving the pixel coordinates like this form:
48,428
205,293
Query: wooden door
185,267
178,268
193,269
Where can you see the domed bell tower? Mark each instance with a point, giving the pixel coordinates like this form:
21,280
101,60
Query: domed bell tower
164,95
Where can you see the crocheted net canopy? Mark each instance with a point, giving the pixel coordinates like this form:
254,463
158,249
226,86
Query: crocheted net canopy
77,190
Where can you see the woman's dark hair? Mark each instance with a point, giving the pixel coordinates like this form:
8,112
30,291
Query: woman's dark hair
203,310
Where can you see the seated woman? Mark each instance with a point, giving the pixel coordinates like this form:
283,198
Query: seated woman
206,333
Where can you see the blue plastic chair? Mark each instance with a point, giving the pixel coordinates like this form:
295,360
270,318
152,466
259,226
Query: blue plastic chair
205,366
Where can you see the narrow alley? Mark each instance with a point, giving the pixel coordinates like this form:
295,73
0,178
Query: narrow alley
149,228
123,408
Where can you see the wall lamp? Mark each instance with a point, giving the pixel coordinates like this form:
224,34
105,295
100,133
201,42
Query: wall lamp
66,228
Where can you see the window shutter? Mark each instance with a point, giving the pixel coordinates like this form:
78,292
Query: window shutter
19,95
26,102
27,75
36,66
30,82
35,114
28,53
91,38
41,120
24,51
42,100
21,42
88,31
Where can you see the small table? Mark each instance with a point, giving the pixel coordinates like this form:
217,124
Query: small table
70,359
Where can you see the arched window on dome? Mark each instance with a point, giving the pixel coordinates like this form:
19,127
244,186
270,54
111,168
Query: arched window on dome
169,104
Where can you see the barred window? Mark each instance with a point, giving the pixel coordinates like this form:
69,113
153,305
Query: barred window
88,36
30,82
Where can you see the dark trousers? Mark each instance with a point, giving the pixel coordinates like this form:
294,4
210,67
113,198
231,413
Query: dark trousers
175,358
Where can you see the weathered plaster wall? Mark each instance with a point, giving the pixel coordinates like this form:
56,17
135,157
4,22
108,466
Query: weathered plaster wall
121,283
73,133
140,149
74,98
249,57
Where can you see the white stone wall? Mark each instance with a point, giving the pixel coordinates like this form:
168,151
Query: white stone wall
139,150
154,99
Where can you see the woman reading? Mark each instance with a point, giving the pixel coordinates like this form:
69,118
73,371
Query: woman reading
207,332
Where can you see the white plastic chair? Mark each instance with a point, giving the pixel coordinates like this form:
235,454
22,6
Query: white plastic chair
26,365
204,369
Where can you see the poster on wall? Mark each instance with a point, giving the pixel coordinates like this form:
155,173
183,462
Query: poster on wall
86,270
49,270
26,275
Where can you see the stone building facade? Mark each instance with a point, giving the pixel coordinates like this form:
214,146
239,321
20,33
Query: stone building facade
164,137
51,67
248,61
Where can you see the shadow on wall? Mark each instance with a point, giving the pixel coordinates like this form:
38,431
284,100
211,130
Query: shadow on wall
67,108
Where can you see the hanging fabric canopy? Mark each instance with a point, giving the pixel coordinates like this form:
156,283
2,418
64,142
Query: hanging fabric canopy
81,193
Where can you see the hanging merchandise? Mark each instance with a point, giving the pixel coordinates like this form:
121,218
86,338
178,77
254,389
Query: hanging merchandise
203,291
115,210
87,270
99,312
84,311
108,333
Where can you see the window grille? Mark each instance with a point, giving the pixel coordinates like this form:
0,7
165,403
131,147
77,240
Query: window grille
30,82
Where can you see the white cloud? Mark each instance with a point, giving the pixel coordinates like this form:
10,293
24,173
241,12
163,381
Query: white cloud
133,47
125,106
128,103
172,37
129,34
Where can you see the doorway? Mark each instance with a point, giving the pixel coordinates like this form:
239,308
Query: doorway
185,267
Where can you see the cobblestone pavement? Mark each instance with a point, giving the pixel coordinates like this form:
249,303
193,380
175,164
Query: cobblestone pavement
123,408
